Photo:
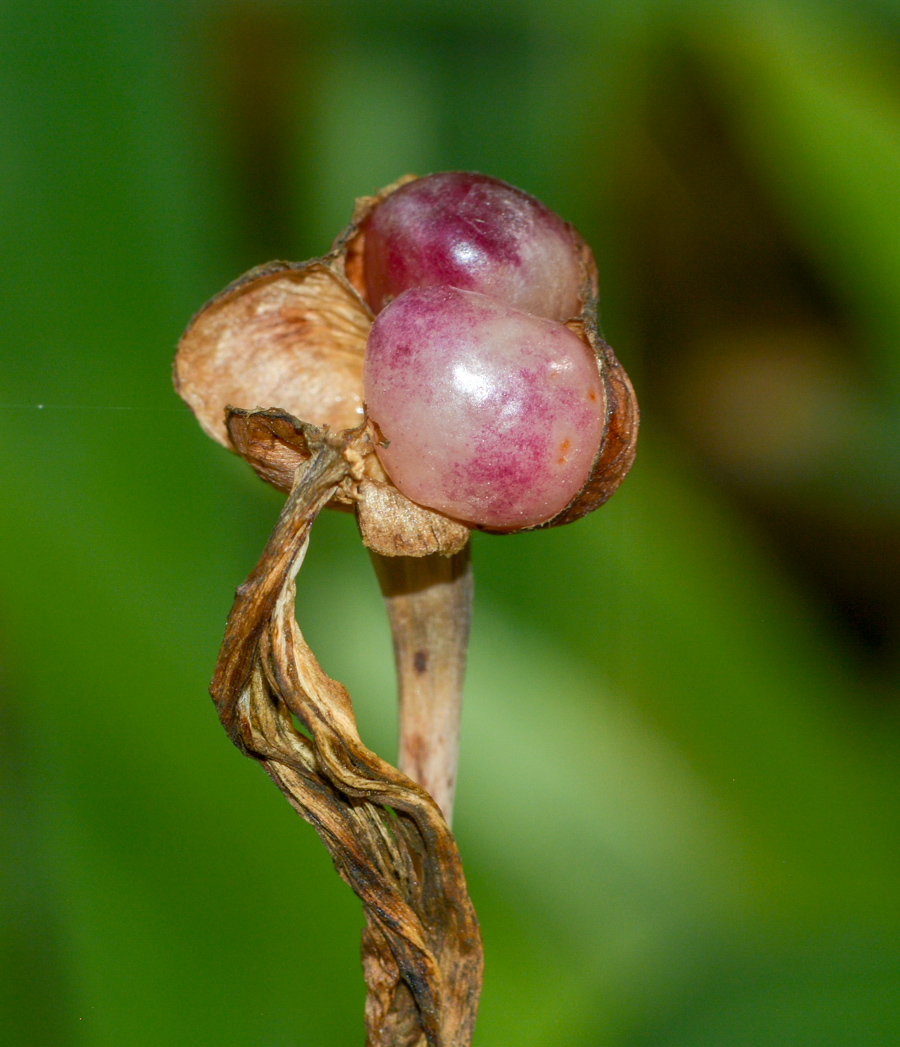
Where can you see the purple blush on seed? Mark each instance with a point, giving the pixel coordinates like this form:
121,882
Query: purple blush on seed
489,414
476,233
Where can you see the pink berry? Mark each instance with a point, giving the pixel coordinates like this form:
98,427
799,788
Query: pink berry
489,414
476,233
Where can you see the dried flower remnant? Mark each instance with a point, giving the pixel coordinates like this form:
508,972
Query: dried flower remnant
276,368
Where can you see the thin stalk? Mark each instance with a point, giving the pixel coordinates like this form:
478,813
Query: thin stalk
429,606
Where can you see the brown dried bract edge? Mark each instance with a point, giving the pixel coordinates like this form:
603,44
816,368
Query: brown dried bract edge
422,955
616,453
293,336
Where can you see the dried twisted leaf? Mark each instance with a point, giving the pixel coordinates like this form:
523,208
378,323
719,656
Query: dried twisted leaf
422,955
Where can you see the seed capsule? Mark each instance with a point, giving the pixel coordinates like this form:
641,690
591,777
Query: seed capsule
294,337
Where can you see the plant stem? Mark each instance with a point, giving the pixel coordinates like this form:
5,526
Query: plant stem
429,606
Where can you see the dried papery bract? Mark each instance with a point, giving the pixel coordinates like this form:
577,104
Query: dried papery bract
282,335
286,342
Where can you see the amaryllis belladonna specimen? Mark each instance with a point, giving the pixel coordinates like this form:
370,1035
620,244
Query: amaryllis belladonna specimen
462,313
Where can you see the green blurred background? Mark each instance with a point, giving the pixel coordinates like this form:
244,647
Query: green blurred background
679,786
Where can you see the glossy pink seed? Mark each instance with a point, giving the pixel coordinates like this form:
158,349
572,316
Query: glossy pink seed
489,414
476,233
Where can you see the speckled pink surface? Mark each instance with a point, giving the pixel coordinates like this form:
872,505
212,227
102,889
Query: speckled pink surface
491,415
476,233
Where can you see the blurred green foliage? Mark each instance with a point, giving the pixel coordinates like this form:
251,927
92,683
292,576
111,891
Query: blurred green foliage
679,786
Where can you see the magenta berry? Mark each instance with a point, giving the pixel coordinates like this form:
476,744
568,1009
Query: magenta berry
476,233
488,414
